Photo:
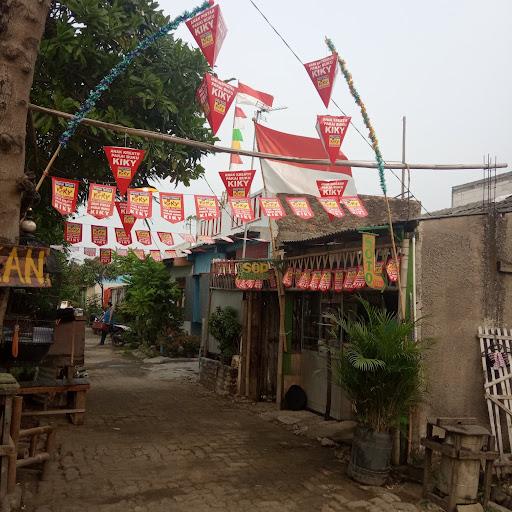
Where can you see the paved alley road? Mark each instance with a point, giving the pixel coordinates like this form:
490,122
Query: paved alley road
157,441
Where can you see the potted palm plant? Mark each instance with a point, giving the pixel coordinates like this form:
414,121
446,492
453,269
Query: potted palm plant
380,369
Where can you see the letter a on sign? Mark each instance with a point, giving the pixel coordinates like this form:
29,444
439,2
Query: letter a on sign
332,130
124,163
209,31
215,97
322,73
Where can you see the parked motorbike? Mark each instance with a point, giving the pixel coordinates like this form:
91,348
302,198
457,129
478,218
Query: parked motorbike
118,334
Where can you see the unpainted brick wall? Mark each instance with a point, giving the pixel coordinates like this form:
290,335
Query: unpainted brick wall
217,377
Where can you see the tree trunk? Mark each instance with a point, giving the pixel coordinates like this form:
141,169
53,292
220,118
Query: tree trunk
22,25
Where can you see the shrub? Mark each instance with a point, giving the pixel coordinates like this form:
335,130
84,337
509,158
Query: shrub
181,345
226,329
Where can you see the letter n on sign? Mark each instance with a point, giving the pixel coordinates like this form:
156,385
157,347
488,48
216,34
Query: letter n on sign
22,266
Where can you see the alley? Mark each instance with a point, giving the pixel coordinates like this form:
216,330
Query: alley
157,441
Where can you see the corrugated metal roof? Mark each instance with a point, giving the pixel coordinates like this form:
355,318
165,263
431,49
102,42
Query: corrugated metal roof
478,208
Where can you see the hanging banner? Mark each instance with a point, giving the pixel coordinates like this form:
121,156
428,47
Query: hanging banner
355,206
372,279
124,163
331,206
304,280
332,131
166,238
323,73
156,254
99,235
171,207
359,281
338,281
215,97
143,236
207,207
188,237
331,188
122,237
209,31
315,280
237,183
100,203
325,281
241,208
171,253
64,195
127,219
205,239
140,203
300,207
391,270
105,256
90,251
139,253
288,278
122,252
350,277
272,207
72,232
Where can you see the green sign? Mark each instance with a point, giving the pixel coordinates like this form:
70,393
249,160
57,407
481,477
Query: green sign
258,269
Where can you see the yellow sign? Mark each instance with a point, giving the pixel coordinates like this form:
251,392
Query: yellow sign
373,280
22,266
253,270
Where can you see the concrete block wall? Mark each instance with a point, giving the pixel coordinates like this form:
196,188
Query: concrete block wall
218,377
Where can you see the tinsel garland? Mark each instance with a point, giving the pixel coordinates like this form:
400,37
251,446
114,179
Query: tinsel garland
107,80
367,122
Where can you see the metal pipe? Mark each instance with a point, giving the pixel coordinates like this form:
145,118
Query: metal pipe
403,157
365,164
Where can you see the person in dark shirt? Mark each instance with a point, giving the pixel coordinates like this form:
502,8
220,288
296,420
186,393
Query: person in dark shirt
108,322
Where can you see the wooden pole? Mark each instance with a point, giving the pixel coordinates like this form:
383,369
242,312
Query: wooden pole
15,434
48,167
365,164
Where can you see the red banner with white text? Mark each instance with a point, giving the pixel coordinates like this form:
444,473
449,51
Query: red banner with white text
143,237
105,256
237,183
207,207
300,206
166,238
140,203
172,207
122,237
332,130
241,208
64,195
323,73
127,219
100,203
99,235
124,163
72,232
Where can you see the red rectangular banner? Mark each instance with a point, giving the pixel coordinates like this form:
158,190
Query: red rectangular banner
205,239
122,252
90,251
101,200
241,208
300,206
124,163
140,203
139,253
272,207
331,188
171,253
166,238
338,280
207,207
237,183
355,206
332,130
315,280
350,277
171,207
99,235
188,237
144,237
209,31
72,232
325,281
105,256
323,73
127,219
156,254
215,97
64,195
331,206
122,237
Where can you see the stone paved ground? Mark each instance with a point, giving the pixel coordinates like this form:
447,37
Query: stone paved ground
157,441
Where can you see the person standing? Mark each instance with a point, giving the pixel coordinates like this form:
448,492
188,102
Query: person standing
108,322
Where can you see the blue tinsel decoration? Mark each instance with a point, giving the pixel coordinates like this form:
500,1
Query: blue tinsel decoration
107,80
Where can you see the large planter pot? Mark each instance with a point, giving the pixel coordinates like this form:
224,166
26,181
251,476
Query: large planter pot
370,457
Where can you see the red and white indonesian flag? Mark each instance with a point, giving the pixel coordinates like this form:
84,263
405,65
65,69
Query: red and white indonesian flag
248,96
295,178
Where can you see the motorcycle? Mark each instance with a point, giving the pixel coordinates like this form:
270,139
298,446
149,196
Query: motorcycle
118,334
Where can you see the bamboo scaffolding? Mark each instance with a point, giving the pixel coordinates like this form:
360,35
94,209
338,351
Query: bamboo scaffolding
366,164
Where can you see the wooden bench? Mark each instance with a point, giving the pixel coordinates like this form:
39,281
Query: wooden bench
76,390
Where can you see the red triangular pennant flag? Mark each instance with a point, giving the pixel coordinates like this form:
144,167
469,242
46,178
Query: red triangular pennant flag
124,163
322,73
332,130
127,219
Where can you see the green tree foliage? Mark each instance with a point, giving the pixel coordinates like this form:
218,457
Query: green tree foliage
226,329
83,40
150,306
380,367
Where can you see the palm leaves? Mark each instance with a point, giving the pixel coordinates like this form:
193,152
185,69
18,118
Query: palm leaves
380,367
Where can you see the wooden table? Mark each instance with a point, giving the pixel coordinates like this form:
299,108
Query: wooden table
76,390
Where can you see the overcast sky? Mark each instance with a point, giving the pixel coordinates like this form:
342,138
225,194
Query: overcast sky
446,65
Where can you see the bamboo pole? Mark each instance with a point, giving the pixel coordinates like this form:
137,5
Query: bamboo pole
48,167
364,164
